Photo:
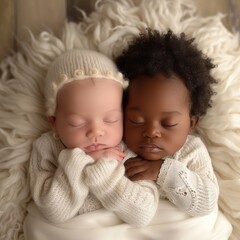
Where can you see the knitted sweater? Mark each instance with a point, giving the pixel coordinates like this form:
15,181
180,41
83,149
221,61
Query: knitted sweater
187,179
67,182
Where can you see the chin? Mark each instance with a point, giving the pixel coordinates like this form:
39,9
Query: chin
151,156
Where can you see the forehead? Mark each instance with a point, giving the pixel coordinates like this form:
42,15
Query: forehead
90,93
159,91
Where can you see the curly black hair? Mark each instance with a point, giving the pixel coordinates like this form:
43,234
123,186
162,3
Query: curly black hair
153,53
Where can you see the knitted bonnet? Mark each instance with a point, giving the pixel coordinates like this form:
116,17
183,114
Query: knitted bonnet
77,65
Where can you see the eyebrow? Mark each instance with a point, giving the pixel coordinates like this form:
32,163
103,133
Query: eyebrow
136,109
75,114
114,110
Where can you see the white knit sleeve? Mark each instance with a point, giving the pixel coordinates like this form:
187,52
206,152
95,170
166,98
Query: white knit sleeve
134,202
57,185
189,181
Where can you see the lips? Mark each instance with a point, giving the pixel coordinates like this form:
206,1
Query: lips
94,147
150,148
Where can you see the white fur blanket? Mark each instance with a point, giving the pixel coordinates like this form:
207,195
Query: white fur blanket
108,29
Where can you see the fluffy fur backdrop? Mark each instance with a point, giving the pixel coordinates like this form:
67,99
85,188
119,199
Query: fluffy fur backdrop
108,30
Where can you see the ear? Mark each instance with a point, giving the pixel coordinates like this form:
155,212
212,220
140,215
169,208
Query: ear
52,121
193,122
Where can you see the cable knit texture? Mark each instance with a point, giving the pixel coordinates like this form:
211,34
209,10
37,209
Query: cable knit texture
132,201
67,182
56,179
187,179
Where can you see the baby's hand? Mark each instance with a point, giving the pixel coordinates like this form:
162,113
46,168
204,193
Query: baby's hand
141,169
113,152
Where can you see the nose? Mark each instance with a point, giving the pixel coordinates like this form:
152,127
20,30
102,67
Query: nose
95,132
152,130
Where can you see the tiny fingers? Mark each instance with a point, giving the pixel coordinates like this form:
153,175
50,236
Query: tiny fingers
133,163
114,153
135,170
137,177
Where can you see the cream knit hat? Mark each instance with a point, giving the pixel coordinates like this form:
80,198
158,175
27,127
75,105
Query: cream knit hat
77,65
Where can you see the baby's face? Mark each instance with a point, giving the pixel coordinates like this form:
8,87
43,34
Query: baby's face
89,114
157,116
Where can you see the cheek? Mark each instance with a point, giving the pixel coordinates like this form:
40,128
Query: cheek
71,137
117,132
176,140
113,134
132,137
116,136
69,140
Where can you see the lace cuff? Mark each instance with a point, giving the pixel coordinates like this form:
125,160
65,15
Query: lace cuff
163,171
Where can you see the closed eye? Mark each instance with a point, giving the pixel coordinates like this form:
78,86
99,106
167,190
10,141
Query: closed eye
135,122
112,121
77,124
170,125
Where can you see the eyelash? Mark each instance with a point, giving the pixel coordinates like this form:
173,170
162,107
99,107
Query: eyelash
170,126
136,123
107,121
77,125
164,125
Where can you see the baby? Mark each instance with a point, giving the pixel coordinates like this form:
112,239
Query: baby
78,166
170,88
